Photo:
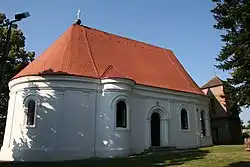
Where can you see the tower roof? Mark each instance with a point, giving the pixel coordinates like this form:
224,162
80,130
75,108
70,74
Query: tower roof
216,81
84,51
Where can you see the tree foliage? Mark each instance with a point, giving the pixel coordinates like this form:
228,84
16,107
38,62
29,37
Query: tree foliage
248,124
233,108
18,58
242,124
233,19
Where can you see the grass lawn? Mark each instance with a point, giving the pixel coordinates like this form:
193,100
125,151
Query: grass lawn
216,156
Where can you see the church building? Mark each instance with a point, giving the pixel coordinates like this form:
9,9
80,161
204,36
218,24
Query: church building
95,94
225,123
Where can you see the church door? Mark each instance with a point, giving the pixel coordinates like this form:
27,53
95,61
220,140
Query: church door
155,130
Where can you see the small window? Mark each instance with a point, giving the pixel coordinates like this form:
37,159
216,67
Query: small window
203,127
121,115
31,113
184,119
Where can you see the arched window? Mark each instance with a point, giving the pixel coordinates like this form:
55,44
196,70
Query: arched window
121,114
184,119
31,113
203,128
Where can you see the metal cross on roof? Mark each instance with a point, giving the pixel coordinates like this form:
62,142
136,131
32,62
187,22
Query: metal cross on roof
78,14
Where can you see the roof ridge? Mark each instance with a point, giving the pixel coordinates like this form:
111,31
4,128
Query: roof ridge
126,38
90,52
180,71
209,83
218,78
70,36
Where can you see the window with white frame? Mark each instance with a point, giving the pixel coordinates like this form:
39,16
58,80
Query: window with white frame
31,109
184,119
121,114
31,102
203,126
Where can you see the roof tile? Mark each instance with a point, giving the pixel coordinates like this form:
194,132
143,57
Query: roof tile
84,51
216,81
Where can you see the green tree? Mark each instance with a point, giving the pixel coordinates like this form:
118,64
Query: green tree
242,124
18,58
2,18
248,124
233,108
233,19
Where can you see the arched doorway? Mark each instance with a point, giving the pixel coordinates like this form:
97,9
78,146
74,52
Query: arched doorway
155,130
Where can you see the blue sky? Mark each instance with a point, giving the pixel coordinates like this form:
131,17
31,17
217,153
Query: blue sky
186,27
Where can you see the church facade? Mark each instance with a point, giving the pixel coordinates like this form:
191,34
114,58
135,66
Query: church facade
94,94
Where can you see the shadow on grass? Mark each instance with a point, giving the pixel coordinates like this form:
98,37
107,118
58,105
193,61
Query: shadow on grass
239,164
144,160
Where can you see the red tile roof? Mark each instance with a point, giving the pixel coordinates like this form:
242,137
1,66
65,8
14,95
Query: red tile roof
84,51
216,81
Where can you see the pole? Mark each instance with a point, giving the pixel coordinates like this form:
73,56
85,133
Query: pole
5,56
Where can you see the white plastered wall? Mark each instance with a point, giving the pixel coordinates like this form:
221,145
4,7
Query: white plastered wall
64,127
76,119
146,100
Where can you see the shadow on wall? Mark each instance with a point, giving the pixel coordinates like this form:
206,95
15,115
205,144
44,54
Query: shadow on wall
48,133
29,137
40,136
144,160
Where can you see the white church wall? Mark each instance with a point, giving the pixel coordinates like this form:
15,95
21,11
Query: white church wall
32,143
10,116
140,133
138,124
64,126
146,98
183,138
77,125
207,139
140,121
6,150
110,140
76,119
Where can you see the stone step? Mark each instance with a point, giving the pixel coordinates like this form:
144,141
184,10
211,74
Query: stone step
160,149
